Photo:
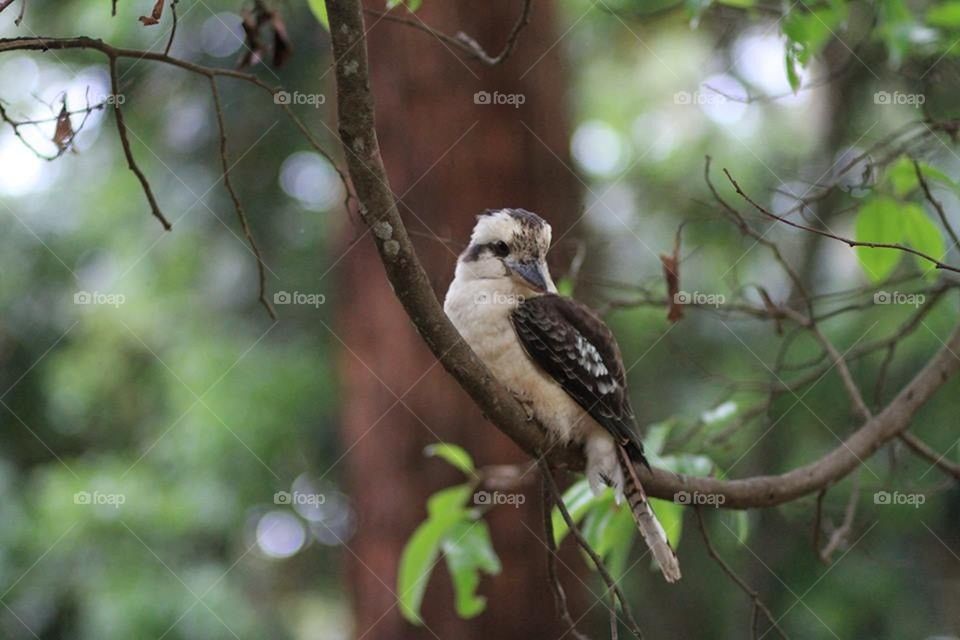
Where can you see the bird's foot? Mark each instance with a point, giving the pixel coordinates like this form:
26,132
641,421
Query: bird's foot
526,403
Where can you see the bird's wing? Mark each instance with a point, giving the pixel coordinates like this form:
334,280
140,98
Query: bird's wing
572,345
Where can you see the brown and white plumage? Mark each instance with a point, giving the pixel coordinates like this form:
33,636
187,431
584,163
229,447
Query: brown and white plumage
553,353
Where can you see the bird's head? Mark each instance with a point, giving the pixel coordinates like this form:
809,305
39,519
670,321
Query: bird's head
509,245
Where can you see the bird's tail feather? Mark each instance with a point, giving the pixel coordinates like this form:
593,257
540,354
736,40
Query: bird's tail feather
650,528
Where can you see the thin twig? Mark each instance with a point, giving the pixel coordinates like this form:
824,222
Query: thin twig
125,143
826,234
559,595
840,534
173,29
746,588
578,536
241,215
922,449
461,40
936,205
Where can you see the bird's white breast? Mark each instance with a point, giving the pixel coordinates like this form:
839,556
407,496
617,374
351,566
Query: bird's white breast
480,310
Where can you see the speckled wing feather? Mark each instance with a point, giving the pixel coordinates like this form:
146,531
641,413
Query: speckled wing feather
573,346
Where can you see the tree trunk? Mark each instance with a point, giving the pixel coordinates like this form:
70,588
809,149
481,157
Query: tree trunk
448,159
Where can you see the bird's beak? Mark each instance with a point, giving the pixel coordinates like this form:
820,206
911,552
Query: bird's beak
533,274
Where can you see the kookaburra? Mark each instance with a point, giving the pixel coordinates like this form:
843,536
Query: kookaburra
554,354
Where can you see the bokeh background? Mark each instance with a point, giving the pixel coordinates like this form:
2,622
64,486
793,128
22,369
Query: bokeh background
146,434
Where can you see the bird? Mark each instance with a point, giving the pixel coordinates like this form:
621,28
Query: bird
555,355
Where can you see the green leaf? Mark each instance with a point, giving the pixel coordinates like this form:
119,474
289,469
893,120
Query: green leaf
879,221
416,563
598,517
902,177
455,455
444,510
411,5
468,551
577,500
923,235
793,74
944,15
319,8
617,540
739,4
741,525
565,287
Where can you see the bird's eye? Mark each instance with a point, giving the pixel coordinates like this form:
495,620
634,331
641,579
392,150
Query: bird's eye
501,249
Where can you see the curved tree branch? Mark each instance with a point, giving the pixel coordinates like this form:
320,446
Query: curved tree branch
378,209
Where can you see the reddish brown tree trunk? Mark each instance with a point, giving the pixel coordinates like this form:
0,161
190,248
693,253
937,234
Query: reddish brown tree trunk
448,159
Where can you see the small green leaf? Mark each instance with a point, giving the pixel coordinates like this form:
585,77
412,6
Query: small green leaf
944,15
565,287
456,456
416,562
741,525
319,8
923,235
739,4
450,502
902,177
793,74
879,221
617,541
595,522
467,550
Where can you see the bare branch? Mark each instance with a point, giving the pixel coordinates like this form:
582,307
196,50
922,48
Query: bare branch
463,41
826,234
238,207
924,450
747,589
578,536
559,595
938,207
125,143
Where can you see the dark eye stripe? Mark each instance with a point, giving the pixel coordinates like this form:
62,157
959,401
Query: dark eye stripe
474,252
